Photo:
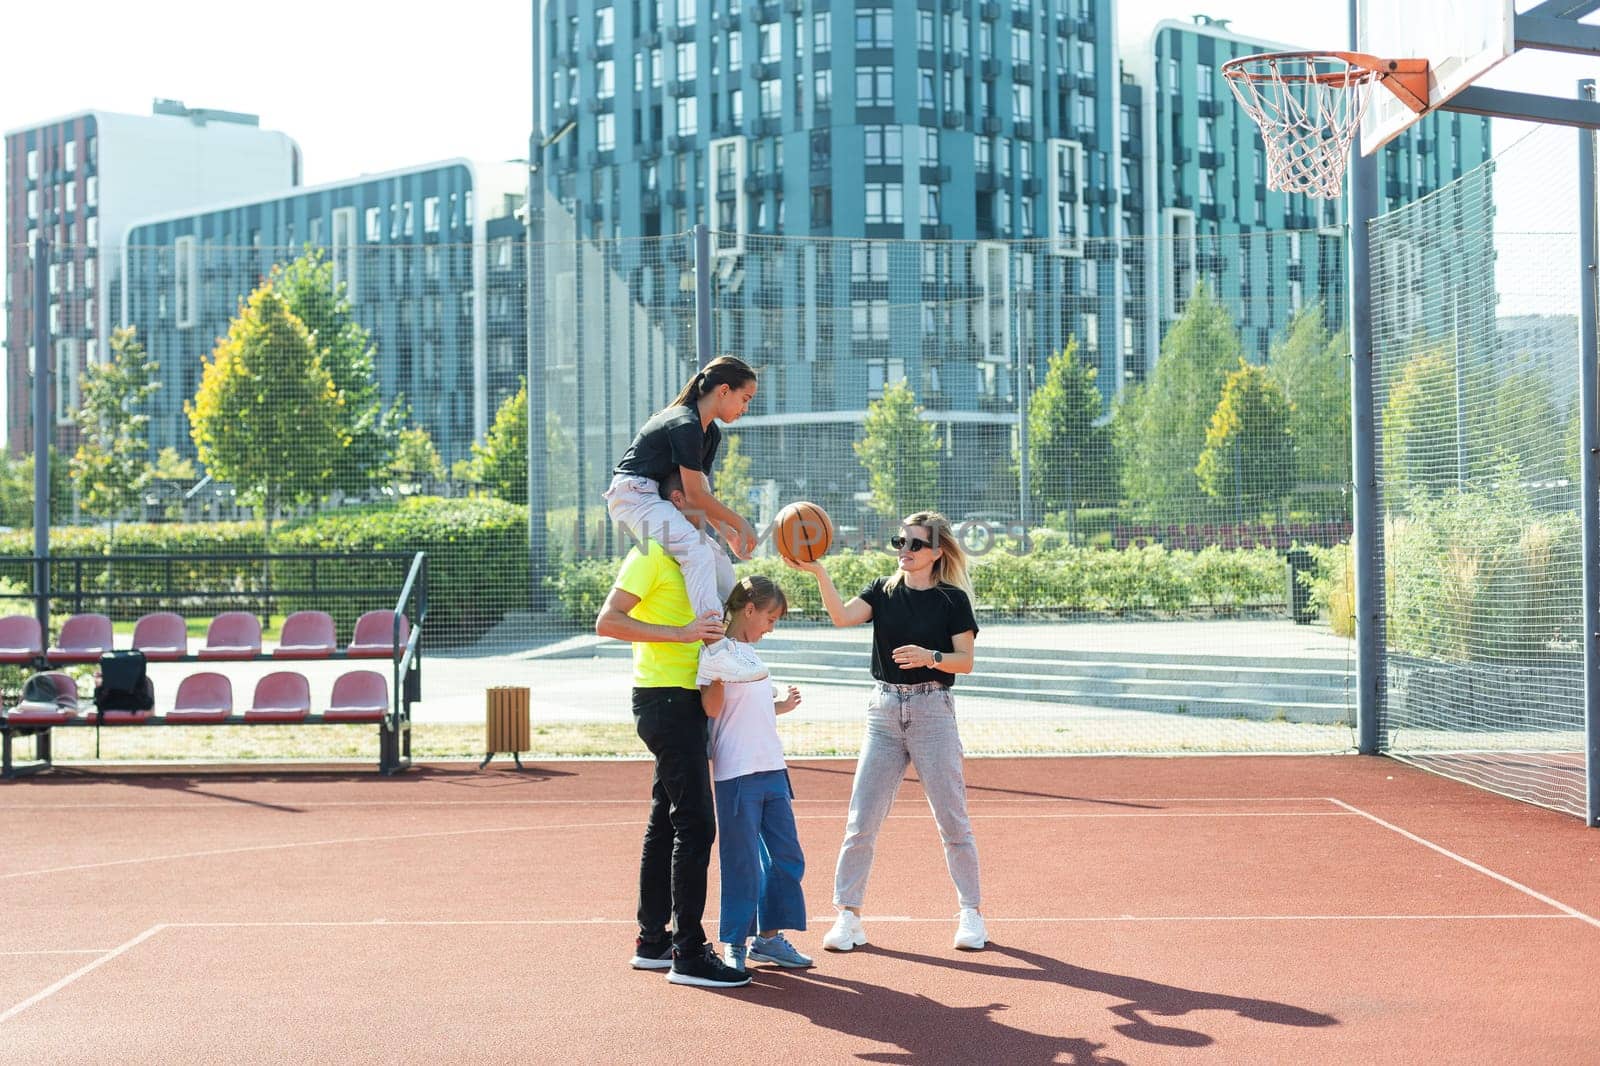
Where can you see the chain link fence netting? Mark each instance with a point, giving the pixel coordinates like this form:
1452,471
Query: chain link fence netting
1144,445
1475,336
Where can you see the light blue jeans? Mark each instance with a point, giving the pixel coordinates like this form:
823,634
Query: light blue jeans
913,724
635,503
761,861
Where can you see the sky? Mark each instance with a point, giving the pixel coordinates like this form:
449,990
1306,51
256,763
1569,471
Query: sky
366,86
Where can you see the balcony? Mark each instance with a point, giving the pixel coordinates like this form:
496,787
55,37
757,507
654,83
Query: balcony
939,232
768,13
991,69
935,175
1023,130
678,32
991,124
767,126
1209,106
597,52
954,120
649,149
647,40
1183,201
766,71
1209,159
650,201
1215,212
677,198
1297,270
986,181
1084,29
600,105
1021,19
1022,72
594,210
989,10
1032,186
821,176
681,87
1086,84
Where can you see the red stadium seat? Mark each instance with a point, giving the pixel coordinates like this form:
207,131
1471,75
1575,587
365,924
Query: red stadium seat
358,696
84,638
57,711
374,636
307,635
21,640
232,635
162,636
203,698
283,696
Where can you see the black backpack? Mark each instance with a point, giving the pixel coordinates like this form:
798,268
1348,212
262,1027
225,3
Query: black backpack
123,684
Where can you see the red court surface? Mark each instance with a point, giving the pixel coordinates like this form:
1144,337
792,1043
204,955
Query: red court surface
1224,910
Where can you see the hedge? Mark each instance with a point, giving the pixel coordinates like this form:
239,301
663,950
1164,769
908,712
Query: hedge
1062,579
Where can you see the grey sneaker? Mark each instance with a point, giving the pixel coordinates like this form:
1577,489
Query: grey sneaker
728,660
734,956
777,950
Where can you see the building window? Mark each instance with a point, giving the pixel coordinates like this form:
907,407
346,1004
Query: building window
1208,134
735,49
70,159
874,86
883,145
344,250
883,203
685,12
33,164
185,280
1021,103
688,120
430,216
91,191
869,261
875,28
821,206
604,26
881,372
91,232
66,380
685,56
88,273
930,147
771,98
927,93
869,320
925,30
771,42
605,132
605,79
930,205
1021,46
33,205
822,87
1202,81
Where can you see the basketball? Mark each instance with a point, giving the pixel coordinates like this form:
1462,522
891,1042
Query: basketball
802,532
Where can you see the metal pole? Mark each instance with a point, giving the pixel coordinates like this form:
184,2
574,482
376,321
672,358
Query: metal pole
534,303
1367,546
41,431
1461,391
702,294
1589,460
1022,355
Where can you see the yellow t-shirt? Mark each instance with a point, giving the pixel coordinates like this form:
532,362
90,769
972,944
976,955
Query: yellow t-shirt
655,578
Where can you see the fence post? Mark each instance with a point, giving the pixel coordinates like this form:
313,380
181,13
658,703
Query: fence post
702,294
1589,460
41,432
1367,545
538,433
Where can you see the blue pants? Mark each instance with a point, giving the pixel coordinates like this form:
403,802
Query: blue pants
759,850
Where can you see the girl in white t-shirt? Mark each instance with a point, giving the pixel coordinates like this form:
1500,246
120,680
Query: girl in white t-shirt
757,844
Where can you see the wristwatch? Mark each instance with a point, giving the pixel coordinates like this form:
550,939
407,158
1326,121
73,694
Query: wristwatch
938,657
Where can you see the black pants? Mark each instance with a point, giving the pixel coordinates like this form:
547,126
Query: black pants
683,822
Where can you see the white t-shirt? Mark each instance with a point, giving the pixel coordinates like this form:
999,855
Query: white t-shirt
744,737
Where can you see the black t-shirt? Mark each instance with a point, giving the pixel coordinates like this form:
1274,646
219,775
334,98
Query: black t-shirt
669,439
927,618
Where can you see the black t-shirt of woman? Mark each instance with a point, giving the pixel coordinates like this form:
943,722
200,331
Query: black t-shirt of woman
928,618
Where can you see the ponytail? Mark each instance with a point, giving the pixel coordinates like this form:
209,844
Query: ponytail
727,370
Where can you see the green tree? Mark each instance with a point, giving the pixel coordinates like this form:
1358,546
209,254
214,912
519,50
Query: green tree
1419,428
900,453
266,414
16,489
415,457
170,466
500,463
112,464
369,432
734,480
1313,370
1069,448
1526,423
1249,454
1160,427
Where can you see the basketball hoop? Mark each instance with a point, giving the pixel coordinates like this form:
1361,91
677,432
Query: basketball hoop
1309,106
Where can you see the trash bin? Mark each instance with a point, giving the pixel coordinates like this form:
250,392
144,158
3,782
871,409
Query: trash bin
1300,561
505,722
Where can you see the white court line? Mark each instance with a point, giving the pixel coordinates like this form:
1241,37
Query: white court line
81,971
307,844
58,951
174,856
210,803
1570,912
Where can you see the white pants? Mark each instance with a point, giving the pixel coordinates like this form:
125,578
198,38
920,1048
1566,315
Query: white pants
635,504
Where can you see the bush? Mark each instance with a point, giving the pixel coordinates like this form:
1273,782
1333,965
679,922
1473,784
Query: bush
1333,587
477,558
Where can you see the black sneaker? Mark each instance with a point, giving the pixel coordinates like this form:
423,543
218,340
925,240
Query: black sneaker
705,970
651,956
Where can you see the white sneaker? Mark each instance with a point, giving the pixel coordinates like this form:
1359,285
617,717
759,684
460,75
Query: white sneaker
729,660
971,934
846,933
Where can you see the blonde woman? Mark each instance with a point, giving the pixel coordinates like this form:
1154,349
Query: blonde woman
923,629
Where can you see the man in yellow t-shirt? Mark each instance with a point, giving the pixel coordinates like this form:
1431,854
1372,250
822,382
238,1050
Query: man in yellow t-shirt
649,606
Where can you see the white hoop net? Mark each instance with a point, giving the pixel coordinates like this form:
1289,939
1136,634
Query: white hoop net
1309,108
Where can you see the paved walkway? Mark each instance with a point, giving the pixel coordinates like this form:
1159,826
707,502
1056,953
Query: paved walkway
571,684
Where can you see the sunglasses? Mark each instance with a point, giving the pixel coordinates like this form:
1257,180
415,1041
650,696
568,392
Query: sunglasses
916,544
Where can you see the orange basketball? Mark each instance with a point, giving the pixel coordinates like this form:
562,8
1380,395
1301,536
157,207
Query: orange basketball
802,532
